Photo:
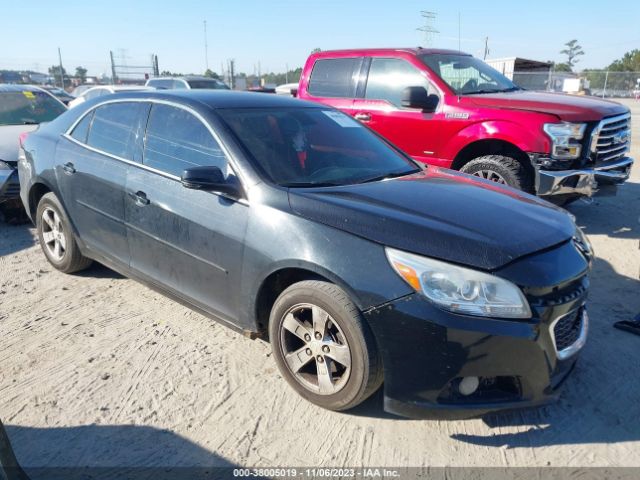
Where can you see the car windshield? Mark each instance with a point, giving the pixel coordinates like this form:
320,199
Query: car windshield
212,84
467,75
311,147
28,107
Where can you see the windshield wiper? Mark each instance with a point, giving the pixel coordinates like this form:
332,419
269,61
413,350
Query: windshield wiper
387,176
503,90
310,184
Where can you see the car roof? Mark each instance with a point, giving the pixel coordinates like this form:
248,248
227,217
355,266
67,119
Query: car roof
10,87
187,78
390,51
223,98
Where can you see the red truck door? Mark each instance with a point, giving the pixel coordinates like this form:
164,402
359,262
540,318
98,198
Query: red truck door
413,131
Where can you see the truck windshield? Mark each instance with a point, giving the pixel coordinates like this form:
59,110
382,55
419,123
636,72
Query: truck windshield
314,147
28,107
467,75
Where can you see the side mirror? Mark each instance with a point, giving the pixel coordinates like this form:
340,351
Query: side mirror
417,97
210,179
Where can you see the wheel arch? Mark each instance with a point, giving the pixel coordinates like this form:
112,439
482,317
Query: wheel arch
492,146
282,277
36,192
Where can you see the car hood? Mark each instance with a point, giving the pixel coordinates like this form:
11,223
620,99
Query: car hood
571,108
10,140
441,214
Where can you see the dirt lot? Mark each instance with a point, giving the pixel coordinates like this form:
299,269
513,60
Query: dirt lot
96,369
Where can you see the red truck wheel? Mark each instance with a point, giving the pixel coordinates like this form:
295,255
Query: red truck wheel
500,169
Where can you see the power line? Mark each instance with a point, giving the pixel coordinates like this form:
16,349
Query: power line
428,28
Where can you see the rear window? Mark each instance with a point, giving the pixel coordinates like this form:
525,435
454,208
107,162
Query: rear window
114,128
212,84
28,107
335,77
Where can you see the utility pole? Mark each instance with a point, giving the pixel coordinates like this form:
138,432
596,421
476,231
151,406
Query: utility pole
286,75
232,80
486,47
206,46
61,70
428,29
114,79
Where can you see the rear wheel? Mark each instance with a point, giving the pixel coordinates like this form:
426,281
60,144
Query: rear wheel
500,169
323,347
56,237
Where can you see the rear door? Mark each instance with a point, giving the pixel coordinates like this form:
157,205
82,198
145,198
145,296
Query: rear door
188,241
91,168
414,131
333,81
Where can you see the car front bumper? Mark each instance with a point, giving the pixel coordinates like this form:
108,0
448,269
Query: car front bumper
9,185
427,351
583,182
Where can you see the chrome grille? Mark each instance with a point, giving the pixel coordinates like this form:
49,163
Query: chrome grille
611,139
567,330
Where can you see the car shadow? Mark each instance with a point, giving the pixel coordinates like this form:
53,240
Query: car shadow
98,270
107,451
616,217
14,238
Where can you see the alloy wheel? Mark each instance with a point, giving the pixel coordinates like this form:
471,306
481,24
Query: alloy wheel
315,349
53,234
490,175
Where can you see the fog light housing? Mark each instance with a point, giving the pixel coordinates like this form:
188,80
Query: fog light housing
468,386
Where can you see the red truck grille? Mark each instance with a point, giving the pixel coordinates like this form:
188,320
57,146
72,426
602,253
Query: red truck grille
611,139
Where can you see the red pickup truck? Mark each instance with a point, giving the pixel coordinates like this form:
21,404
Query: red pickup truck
450,109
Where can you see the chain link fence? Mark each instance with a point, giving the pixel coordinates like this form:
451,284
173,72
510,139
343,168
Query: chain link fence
600,83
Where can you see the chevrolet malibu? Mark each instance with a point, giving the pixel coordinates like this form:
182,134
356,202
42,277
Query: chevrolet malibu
292,222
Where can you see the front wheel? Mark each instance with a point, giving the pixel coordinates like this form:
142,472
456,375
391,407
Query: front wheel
323,347
500,169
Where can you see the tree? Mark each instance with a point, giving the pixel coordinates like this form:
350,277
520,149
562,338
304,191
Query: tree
211,74
573,51
54,71
560,67
630,62
315,50
81,73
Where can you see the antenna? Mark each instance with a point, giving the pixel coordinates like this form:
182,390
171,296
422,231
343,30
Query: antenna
486,47
428,29
459,34
206,47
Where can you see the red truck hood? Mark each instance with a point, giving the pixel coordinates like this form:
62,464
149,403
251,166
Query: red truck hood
572,108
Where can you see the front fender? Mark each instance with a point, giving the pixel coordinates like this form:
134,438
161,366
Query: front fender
526,139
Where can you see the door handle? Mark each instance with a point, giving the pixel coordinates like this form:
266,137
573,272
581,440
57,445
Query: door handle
140,198
363,117
69,168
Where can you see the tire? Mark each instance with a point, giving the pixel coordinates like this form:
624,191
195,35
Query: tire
500,169
56,236
347,347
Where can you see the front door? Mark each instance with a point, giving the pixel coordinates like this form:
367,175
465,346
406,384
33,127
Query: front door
188,241
413,131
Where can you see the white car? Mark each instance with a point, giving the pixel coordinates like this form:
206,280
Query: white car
190,82
104,90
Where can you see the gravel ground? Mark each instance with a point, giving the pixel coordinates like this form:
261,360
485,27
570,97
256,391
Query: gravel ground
97,370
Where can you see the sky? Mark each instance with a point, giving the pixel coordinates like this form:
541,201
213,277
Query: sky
275,34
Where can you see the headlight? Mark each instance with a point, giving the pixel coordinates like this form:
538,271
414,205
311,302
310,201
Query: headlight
460,290
566,139
583,243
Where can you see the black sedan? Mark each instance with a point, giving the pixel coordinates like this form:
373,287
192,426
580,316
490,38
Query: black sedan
292,222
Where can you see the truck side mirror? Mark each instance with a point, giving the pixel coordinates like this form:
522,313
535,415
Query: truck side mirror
417,97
